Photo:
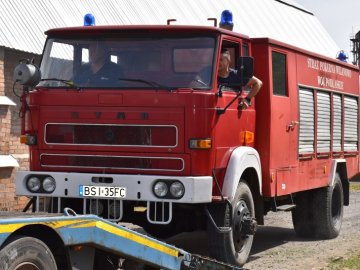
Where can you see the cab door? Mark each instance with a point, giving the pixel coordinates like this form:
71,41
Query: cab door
231,120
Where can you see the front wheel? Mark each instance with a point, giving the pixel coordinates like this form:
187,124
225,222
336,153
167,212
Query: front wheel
26,253
234,247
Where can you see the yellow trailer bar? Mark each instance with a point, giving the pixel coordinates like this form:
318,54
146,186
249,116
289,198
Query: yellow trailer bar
79,238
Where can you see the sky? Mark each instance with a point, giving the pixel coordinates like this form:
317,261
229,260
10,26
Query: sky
341,19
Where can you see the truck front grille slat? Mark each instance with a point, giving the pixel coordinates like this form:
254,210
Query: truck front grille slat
159,212
110,209
112,162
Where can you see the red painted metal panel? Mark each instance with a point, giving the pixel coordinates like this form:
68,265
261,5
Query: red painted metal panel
276,140
319,73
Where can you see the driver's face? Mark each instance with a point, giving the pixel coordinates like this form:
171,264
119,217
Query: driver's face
96,53
224,62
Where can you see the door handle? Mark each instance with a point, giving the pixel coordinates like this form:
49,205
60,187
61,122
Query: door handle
292,125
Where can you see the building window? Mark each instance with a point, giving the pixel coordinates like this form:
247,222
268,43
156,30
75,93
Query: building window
279,74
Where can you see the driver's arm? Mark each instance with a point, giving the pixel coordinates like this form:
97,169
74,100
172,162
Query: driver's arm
254,84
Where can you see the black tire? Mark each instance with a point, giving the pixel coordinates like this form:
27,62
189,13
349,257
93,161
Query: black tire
329,206
303,215
233,247
26,253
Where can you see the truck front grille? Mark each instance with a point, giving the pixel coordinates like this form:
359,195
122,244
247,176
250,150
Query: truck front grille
111,135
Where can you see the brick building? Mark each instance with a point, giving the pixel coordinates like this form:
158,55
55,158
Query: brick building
13,155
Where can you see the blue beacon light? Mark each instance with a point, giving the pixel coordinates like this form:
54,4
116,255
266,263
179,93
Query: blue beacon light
226,18
342,56
89,20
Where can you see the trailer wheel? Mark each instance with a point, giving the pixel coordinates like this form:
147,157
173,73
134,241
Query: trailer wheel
234,247
303,215
26,253
329,205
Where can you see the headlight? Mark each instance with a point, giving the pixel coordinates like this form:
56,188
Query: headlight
160,189
33,184
177,189
49,184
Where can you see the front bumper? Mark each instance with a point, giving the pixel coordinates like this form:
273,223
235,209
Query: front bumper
198,189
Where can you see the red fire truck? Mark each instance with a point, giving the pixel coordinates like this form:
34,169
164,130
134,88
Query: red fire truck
159,143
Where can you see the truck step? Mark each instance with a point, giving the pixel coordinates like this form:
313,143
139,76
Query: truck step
285,207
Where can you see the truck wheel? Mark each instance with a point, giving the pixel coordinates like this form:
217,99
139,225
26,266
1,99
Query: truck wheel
329,205
26,253
303,215
233,247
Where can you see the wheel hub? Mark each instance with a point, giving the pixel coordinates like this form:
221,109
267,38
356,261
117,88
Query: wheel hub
26,266
244,225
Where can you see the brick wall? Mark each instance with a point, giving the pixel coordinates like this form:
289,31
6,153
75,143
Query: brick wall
10,127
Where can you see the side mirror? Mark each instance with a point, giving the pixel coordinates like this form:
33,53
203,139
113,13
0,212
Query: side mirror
27,74
245,68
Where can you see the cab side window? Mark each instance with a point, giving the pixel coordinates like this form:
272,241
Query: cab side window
279,74
245,49
234,51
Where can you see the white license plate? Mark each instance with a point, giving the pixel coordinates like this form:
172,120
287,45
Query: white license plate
102,191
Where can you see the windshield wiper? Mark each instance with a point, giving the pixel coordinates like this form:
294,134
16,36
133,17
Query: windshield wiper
66,82
150,83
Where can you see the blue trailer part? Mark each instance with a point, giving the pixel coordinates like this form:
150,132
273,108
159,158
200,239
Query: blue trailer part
81,235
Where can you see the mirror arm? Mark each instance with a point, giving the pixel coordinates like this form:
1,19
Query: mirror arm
220,111
220,92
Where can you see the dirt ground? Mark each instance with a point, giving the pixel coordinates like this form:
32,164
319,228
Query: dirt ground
276,245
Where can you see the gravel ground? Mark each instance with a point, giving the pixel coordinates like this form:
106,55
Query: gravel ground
276,245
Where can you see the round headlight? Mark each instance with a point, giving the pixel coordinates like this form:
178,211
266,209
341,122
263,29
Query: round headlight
160,189
49,184
177,189
33,184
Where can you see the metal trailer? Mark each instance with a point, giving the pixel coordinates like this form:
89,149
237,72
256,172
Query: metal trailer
43,241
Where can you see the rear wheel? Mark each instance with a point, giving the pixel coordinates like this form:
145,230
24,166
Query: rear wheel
26,253
234,247
329,205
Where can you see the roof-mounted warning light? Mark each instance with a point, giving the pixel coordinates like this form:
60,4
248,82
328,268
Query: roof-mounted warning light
226,21
342,56
89,20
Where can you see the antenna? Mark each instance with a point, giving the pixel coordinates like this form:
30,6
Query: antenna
169,21
356,49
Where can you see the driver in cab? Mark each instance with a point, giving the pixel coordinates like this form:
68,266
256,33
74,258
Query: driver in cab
227,75
100,71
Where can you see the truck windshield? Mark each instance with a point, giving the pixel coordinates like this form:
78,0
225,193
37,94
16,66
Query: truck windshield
136,62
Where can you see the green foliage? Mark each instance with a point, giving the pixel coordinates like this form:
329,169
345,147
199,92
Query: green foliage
354,186
350,263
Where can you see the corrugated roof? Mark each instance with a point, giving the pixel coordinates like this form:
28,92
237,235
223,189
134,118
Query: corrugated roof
23,23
